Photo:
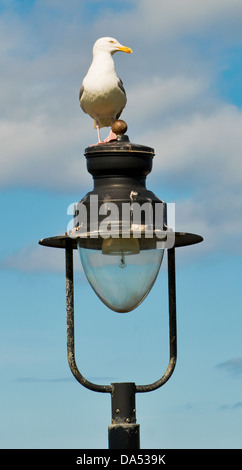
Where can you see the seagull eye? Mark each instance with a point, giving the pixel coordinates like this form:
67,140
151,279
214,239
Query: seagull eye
111,42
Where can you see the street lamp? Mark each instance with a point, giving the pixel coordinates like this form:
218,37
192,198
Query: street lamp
121,231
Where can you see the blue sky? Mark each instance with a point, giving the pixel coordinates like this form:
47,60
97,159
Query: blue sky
183,84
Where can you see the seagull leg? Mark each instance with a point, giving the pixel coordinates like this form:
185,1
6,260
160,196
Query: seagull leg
110,137
98,132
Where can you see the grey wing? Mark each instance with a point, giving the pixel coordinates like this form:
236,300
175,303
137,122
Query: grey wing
121,86
81,92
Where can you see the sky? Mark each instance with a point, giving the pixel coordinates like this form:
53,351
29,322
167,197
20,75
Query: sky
183,85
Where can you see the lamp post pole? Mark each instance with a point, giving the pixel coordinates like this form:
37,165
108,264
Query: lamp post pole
123,433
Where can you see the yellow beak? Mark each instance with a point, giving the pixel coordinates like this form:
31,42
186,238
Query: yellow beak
125,49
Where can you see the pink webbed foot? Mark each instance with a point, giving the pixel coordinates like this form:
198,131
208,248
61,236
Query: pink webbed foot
110,137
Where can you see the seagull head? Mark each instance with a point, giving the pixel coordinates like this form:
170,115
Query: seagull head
109,45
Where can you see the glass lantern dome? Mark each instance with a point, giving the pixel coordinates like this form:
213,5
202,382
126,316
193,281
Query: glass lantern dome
120,273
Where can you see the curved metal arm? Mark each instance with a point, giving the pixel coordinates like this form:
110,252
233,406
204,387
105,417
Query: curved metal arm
70,326
172,326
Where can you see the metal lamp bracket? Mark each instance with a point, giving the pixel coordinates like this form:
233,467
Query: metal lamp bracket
70,327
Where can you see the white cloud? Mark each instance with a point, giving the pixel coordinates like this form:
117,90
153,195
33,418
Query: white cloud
175,18
29,259
202,156
216,219
38,259
233,367
211,135
38,152
205,146
158,23
161,98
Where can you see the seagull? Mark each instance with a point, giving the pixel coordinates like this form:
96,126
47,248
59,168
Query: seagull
102,94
